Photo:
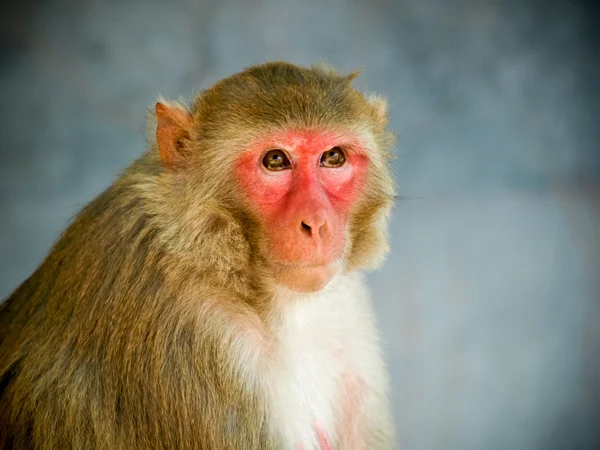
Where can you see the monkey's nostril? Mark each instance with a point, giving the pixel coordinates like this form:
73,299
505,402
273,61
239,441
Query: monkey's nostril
306,228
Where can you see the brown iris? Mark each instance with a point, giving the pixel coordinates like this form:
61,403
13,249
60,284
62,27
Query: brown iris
276,160
333,158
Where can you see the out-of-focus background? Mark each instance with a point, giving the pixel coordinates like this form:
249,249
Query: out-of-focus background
490,301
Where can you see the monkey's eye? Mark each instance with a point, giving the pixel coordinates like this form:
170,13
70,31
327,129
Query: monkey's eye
276,160
333,158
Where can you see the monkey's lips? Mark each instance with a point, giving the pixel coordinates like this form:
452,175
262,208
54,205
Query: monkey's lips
305,278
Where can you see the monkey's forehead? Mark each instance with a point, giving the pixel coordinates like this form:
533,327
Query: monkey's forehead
281,96
281,107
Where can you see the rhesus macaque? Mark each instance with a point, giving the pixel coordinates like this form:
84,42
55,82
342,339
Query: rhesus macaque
211,298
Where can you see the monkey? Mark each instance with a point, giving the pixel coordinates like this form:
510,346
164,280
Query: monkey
214,296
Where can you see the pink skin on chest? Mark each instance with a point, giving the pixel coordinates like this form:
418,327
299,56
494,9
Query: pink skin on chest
322,437
308,192
351,432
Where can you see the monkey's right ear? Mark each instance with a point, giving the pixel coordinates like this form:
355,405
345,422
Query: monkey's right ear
173,127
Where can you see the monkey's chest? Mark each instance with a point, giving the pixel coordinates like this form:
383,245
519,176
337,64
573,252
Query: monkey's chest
305,383
304,392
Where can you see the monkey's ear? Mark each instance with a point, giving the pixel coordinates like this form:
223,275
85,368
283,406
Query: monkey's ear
173,127
380,108
352,75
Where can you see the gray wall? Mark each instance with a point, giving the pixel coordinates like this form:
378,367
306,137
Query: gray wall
489,302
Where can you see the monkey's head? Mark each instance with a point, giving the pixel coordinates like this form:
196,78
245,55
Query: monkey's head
286,168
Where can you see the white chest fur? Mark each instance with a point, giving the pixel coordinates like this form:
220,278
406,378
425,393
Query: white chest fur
317,342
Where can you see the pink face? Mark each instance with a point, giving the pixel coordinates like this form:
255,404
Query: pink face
304,184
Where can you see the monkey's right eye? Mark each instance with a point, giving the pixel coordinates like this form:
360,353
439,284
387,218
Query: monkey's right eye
276,160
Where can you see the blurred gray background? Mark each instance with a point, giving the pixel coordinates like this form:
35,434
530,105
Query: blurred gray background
490,300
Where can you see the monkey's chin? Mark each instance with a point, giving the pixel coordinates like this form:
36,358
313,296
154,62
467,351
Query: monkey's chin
306,279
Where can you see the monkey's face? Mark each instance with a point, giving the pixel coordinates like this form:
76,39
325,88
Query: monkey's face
302,161
304,184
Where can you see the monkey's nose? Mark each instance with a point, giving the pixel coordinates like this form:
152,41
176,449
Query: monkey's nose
315,227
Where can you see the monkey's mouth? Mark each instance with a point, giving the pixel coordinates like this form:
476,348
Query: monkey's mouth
304,265
306,277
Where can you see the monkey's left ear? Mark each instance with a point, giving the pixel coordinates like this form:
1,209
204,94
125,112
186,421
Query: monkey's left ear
173,127
380,108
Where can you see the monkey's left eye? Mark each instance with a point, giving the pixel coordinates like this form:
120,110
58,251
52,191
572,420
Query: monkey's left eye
333,158
276,160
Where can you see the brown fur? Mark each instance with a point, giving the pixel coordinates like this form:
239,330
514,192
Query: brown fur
122,338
